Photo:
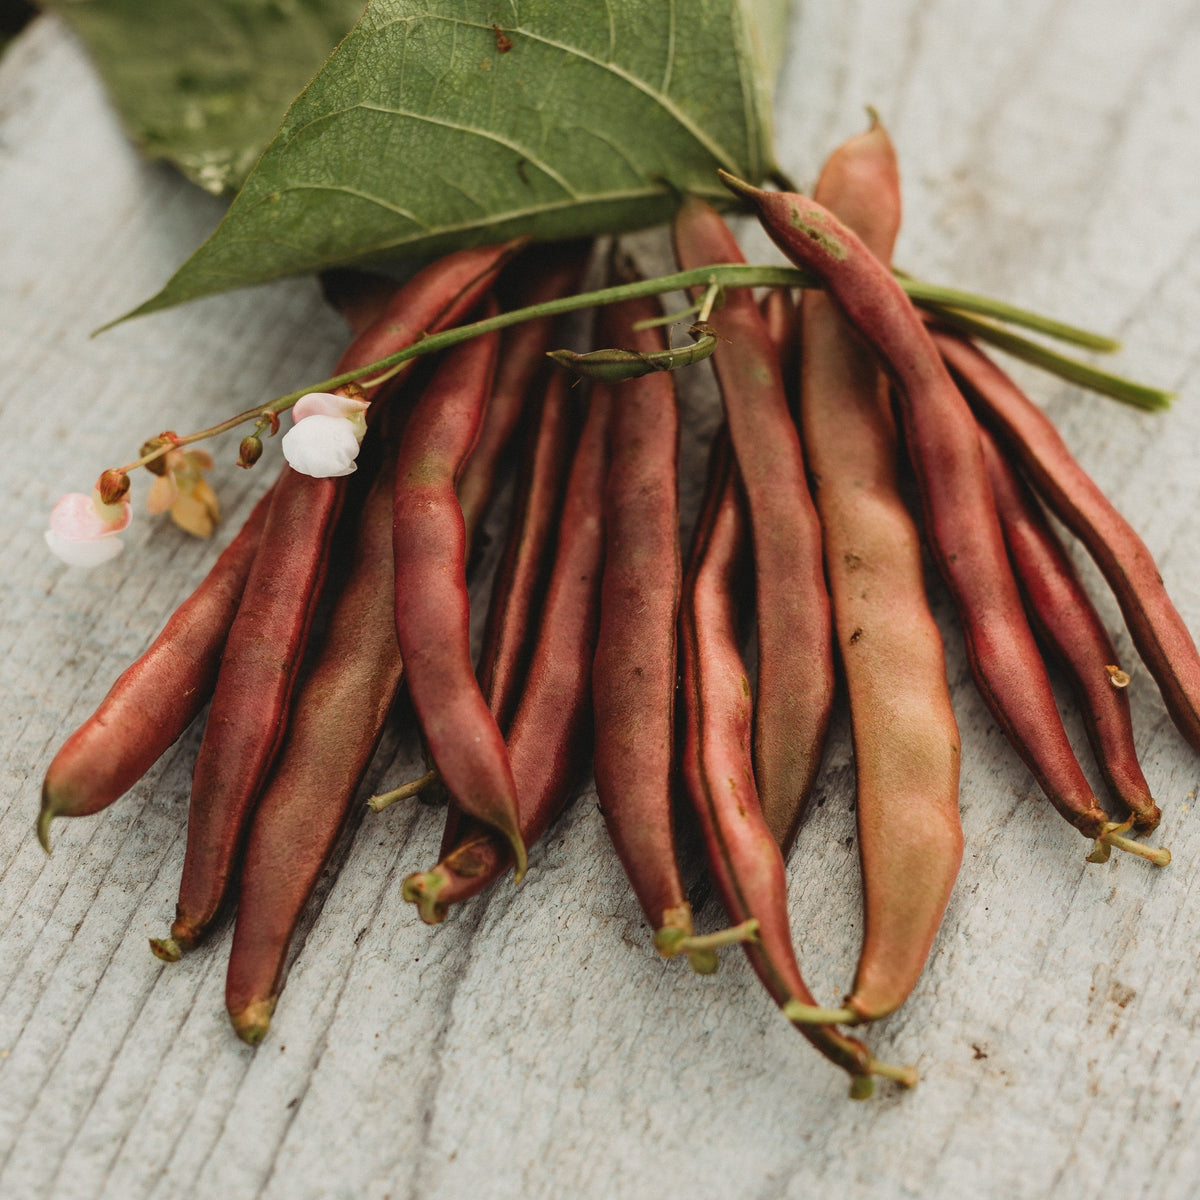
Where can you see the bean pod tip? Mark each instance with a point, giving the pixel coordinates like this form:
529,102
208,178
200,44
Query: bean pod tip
166,948
422,889
252,1022
45,816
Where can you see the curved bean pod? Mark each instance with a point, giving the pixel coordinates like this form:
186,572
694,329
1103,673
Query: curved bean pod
794,698
433,608
254,685
745,859
157,697
521,575
547,743
960,516
907,750
337,719
1068,623
1158,631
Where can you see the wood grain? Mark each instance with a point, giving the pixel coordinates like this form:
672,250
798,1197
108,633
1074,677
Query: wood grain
534,1045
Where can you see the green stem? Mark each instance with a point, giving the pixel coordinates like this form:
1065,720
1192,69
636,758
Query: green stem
722,275
1127,391
716,277
939,298
747,931
414,787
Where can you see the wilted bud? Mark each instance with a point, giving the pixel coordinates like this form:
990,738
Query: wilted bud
113,486
158,466
250,451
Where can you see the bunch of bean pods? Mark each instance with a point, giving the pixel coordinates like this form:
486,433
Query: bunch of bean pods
599,641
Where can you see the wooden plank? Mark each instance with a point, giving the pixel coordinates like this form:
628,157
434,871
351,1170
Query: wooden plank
534,1045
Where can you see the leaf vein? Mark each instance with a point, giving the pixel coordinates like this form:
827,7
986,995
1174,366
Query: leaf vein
714,149
489,135
359,194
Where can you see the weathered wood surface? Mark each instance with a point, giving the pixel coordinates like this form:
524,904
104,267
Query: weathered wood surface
534,1045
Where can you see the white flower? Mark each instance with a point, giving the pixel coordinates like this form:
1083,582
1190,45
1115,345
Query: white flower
325,438
83,529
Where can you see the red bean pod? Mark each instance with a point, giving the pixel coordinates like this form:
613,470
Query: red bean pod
794,697
337,719
253,690
779,311
521,575
546,273
1158,631
435,298
633,683
432,607
249,708
745,859
548,739
907,749
1068,623
157,697
960,516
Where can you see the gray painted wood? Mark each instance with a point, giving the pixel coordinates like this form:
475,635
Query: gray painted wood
534,1045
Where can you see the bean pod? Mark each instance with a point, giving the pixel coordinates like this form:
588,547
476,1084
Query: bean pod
156,698
960,516
547,742
265,644
432,605
337,720
795,692
1158,631
633,683
907,749
745,859
1067,621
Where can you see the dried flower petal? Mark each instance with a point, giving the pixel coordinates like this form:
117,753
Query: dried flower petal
197,511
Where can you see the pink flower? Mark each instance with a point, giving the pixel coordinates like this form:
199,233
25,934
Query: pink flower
83,529
325,438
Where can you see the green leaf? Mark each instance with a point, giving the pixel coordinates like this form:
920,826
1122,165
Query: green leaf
205,83
444,123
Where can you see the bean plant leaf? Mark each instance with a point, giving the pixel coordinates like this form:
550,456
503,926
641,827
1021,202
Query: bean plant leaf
205,83
439,124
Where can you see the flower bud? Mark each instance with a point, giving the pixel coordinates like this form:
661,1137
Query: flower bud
113,486
158,465
250,451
